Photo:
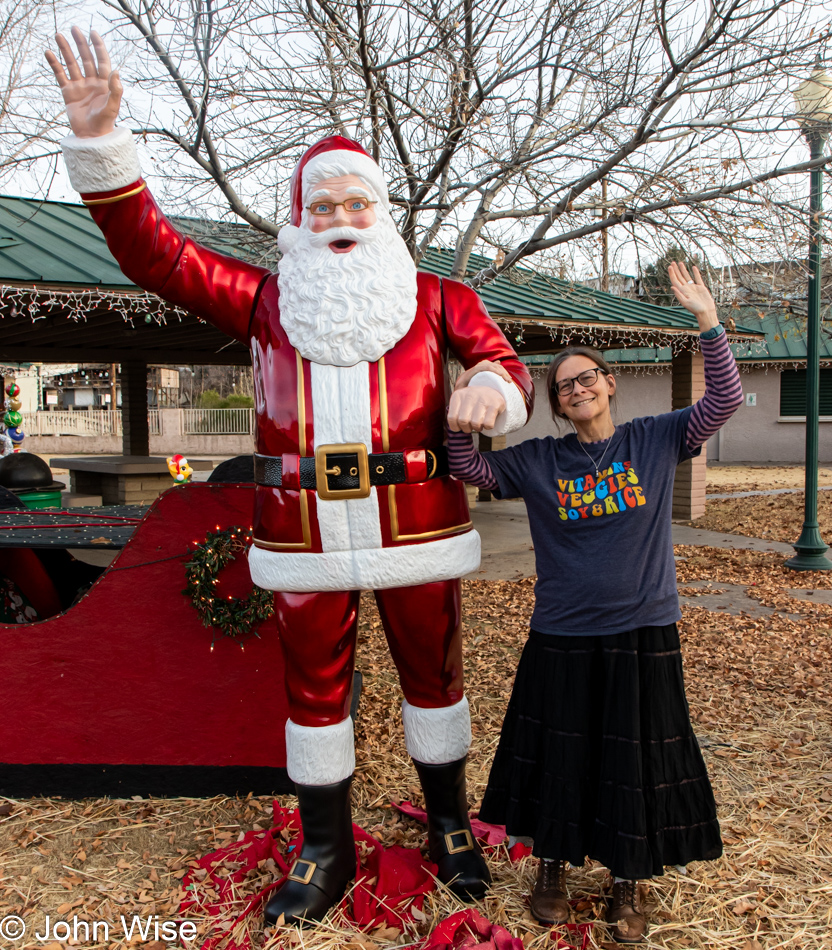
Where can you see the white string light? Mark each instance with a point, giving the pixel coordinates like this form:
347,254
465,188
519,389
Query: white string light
605,336
39,302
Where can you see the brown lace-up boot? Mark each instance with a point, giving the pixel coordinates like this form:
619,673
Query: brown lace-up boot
549,903
626,919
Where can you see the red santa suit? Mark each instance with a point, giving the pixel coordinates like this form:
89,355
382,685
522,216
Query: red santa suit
352,486
391,520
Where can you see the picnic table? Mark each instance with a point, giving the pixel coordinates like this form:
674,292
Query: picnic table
122,479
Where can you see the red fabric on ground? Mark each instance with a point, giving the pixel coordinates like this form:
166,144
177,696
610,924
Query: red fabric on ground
469,930
518,851
489,836
582,930
390,882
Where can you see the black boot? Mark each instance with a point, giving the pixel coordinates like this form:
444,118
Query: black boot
450,840
326,862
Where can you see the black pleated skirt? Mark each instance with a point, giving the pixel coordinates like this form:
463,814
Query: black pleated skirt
598,758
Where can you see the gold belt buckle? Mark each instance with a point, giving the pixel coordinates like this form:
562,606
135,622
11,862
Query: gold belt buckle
326,468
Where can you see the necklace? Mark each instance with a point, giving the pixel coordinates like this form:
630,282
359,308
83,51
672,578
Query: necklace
598,463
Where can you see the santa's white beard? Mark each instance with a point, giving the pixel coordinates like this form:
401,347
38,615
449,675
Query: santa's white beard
340,309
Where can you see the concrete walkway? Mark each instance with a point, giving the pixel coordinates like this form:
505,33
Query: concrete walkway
685,534
507,553
765,491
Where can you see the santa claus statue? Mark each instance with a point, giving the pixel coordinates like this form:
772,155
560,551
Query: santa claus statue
349,346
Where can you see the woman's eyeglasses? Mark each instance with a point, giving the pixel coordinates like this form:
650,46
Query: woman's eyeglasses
587,378
351,206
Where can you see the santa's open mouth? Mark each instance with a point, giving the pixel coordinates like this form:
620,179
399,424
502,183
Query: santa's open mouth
341,247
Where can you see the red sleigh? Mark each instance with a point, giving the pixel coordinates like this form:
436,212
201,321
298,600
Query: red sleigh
123,694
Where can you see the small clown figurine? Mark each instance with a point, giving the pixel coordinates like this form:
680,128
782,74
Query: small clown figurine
179,469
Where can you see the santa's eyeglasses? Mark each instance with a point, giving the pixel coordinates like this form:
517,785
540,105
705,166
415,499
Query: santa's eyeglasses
351,206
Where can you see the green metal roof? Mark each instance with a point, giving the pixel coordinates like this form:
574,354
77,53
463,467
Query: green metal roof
784,342
58,244
785,334
525,294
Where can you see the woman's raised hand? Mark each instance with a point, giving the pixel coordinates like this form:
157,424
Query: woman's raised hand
692,294
92,98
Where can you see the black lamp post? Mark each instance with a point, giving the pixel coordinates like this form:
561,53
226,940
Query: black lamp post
814,113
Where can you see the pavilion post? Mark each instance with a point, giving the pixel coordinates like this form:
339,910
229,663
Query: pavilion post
691,477
135,430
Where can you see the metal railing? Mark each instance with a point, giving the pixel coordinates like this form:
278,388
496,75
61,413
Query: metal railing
82,422
217,421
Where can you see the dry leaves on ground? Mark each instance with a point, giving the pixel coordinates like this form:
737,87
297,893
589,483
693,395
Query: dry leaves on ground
772,517
728,477
760,701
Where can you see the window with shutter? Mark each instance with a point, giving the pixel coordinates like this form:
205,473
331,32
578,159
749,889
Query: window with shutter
793,392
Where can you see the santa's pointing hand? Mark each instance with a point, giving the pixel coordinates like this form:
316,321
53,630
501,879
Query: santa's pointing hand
93,97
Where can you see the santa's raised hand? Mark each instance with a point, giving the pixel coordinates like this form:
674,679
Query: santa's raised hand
93,97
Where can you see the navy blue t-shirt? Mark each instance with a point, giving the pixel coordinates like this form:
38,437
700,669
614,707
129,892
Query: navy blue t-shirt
603,547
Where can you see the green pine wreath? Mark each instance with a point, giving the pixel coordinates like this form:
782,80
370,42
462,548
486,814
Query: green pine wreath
233,616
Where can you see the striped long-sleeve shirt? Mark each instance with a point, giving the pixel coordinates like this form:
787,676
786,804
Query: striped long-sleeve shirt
721,399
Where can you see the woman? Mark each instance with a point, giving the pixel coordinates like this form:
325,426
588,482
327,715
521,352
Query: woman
597,755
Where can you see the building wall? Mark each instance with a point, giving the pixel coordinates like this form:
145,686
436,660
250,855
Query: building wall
214,446
753,434
637,395
79,398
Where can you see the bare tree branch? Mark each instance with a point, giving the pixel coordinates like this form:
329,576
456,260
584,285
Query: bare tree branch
495,120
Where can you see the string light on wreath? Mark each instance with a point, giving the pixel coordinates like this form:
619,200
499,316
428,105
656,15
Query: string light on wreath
235,617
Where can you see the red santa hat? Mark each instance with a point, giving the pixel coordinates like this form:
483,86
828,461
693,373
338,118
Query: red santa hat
329,158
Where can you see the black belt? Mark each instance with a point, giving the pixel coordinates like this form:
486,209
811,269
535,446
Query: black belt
348,470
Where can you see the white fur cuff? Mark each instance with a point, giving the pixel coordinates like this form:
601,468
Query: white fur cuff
103,163
320,755
515,415
437,736
374,569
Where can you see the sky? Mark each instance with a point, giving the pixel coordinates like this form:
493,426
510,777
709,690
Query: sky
92,14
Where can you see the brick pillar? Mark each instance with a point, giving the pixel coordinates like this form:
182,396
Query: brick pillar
487,444
135,439
691,476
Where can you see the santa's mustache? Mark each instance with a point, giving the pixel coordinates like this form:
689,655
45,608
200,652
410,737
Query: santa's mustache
358,235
